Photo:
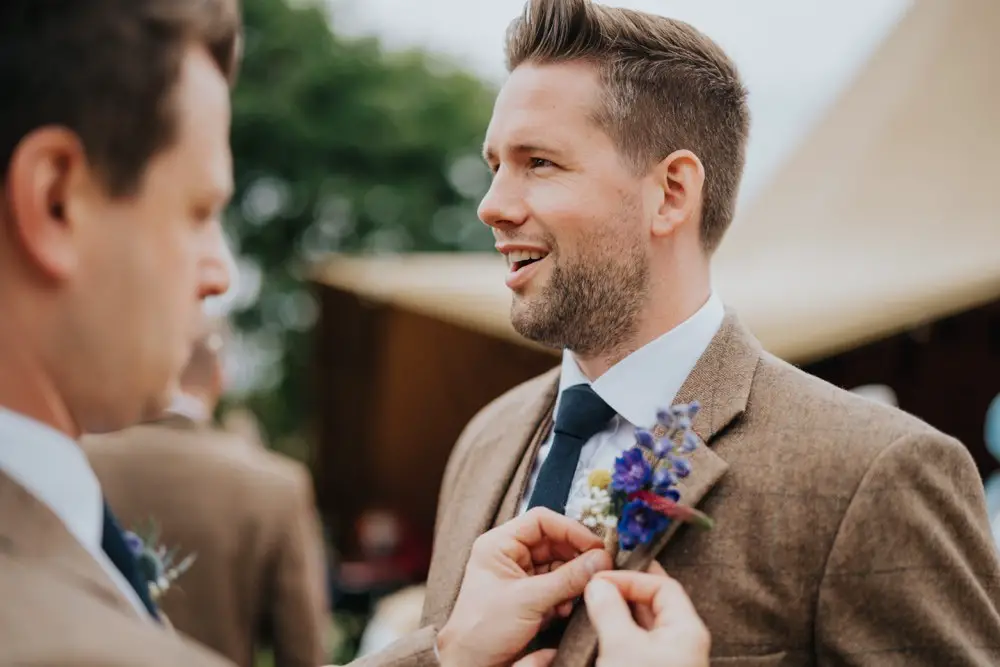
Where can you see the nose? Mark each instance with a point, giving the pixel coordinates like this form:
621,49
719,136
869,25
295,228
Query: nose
503,205
218,265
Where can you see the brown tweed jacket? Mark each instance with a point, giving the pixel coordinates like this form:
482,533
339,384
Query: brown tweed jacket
847,533
58,607
247,514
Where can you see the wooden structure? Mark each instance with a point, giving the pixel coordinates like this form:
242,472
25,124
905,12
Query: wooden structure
872,257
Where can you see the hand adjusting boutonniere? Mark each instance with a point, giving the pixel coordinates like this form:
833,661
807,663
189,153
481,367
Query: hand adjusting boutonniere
156,562
635,502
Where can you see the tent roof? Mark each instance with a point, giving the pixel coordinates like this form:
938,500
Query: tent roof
803,305
888,215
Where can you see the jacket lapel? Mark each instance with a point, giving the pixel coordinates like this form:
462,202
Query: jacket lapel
31,533
721,382
481,483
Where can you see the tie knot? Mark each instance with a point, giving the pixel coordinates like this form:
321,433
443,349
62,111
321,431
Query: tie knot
582,413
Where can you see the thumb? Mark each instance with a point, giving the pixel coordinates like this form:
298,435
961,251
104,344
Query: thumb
546,591
541,658
608,612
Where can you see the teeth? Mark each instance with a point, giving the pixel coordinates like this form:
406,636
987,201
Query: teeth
515,256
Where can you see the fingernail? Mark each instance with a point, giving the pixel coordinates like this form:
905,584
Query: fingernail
597,590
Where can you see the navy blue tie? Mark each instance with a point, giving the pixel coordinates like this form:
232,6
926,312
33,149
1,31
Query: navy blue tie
117,551
582,415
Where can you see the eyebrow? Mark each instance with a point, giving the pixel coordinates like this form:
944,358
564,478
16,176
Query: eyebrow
490,156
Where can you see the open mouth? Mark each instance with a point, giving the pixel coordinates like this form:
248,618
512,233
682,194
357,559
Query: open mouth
519,259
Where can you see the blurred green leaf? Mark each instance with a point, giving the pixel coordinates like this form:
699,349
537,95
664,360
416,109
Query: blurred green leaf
341,146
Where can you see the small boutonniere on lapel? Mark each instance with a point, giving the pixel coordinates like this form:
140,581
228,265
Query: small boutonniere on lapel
636,501
157,564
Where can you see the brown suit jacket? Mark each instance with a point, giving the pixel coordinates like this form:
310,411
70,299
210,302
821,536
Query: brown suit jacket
247,514
58,607
847,533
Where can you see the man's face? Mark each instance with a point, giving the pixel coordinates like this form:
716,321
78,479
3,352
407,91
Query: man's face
566,211
147,261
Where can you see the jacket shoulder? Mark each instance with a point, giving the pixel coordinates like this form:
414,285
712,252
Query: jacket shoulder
207,455
823,415
498,411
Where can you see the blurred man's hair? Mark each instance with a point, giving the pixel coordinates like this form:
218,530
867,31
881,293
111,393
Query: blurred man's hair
106,70
667,87
204,369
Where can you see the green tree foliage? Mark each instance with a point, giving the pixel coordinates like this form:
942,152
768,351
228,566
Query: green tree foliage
340,146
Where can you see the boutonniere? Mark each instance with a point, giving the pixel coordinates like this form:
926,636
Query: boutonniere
636,501
157,564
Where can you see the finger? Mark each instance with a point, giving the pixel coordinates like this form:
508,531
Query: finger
644,616
541,525
542,568
565,609
543,592
636,587
547,551
609,613
541,658
654,567
669,603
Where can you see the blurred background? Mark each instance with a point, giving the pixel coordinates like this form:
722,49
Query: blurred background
371,310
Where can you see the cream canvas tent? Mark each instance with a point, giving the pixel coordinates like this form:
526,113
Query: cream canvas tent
872,257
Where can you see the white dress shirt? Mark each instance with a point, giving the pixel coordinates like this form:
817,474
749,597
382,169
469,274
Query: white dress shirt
53,468
185,405
636,387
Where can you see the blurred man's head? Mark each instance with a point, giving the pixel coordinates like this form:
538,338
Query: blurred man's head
114,154
617,146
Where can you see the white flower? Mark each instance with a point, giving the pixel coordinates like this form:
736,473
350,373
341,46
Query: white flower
591,506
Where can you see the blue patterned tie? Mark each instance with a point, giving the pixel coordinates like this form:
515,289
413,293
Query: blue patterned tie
117,551
582,414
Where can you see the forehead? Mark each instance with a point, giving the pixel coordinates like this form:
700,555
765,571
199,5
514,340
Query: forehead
550,102
201,104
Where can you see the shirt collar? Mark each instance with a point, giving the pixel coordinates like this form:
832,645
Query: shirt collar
53,468
648,379
185,405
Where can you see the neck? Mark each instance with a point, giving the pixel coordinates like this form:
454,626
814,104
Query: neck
669,304
25,386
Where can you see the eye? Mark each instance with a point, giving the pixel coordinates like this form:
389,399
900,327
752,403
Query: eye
539,162
204,214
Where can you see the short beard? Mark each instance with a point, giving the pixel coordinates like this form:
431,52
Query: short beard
591,307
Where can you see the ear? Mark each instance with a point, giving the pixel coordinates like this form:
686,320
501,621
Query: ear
680,178
44,180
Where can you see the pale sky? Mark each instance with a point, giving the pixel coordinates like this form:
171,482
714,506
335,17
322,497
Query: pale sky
795,55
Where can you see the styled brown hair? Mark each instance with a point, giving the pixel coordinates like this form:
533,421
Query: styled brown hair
106,70
667,87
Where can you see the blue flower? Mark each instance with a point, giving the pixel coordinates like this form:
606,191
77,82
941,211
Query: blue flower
663,447
134,543
644,438
665,418
672,494
690,442
663,479
639,524
688,410
632,472
681,467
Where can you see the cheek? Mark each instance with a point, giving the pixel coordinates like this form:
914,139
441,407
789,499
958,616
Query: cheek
571,214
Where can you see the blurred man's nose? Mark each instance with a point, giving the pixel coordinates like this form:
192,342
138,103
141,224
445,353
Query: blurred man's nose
219,265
